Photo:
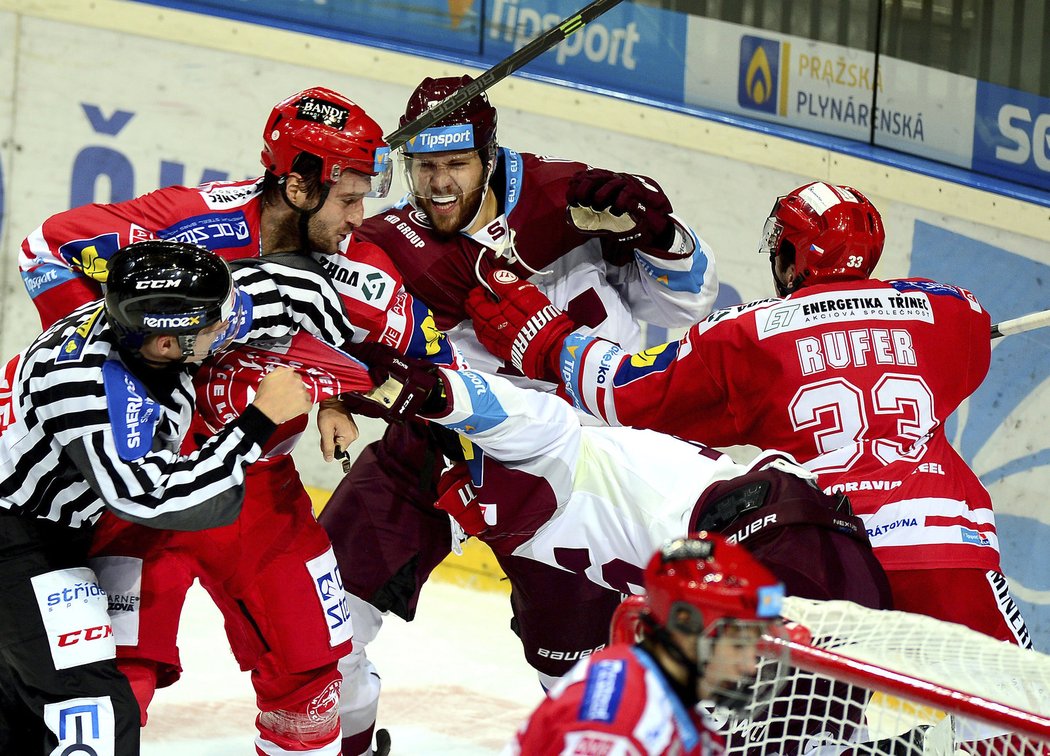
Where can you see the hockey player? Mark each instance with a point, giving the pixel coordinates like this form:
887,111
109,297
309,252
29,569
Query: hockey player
534,483
322,155
707,604
92,417
474,207
853,375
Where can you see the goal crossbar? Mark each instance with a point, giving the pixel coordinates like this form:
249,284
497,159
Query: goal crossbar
868,675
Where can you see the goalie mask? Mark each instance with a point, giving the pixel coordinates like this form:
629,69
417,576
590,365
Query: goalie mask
166,287
830,233
447,147
336,130
708,604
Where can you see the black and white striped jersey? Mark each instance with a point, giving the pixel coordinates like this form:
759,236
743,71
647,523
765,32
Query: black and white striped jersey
83,426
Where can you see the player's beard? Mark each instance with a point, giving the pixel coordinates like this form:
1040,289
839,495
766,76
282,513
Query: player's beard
447,224
323,237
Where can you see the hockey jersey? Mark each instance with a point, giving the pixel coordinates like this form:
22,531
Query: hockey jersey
604,295
592,500
856,380
63,264
615,702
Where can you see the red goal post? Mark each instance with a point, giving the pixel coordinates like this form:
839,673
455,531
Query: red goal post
853,681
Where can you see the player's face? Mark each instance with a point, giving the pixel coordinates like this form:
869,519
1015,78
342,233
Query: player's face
733,661
448,187
342,212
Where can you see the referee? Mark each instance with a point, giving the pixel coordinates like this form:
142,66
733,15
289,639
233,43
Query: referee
92,415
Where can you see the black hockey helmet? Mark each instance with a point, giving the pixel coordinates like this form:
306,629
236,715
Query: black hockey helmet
167,287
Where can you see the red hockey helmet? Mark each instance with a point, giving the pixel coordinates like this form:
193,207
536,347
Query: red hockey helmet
693,584
470,126
834,233
325,124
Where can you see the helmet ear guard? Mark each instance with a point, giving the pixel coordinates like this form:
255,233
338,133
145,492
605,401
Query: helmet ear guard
830,233
336,130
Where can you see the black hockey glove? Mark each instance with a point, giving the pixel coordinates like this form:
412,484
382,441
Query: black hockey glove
630,210
405,386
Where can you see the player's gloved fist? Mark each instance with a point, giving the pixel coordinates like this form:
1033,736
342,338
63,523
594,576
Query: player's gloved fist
521,326
456,496
405,386
630,209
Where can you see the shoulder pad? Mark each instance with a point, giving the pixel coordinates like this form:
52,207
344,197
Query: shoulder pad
132,413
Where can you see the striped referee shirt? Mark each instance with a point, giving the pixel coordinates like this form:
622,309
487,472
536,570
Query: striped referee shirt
84,426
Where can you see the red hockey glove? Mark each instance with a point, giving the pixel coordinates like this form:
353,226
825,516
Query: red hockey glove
522,327
631,210
457,497
405,386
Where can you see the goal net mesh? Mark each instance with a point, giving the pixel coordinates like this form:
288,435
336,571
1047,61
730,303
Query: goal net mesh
862,681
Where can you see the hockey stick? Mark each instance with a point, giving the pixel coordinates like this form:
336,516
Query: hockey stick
1020,325
500,71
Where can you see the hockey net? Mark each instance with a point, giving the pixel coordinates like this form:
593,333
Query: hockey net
852,680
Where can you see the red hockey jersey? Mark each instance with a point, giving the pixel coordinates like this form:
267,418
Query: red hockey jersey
856,380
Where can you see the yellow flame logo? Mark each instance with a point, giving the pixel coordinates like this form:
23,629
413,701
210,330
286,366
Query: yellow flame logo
432,334
647,357
93,264
759,78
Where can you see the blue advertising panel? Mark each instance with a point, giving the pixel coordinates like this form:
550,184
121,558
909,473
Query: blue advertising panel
1011,135
630,48
445,25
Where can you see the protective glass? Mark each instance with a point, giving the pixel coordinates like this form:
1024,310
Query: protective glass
233,314
458,173
729,658
771,232
382,168
234,321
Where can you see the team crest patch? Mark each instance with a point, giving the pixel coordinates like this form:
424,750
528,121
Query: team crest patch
653,360
89,256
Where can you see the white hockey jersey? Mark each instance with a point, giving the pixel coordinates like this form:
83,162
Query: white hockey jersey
592,500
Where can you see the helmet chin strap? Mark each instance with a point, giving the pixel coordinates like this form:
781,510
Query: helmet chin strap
304,215
782,289
490,170
688,691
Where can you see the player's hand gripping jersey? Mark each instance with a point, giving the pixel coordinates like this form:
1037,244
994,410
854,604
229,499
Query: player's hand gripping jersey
378,309
605,290
879,367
